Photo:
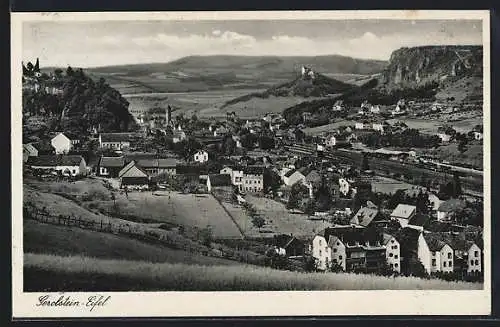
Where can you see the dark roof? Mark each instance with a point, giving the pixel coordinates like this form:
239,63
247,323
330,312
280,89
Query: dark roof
435,241
253,170
191,169
364,216
115,162
157,163
115,137
350,235
220,180
419,220
313,177
55,160
43,146
290,172
284,241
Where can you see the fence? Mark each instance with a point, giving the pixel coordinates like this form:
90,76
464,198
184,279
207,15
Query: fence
150,235
107,226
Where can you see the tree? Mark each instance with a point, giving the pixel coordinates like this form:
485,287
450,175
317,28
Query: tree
69,71
258,221
266,142
228,145
272,181
457,186
205,236
364,163
310,263
462,146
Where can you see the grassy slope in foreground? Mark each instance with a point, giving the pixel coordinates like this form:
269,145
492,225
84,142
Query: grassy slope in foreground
56,273
67,241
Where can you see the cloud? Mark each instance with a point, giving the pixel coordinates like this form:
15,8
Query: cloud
118,47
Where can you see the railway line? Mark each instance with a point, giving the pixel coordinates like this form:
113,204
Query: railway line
471,179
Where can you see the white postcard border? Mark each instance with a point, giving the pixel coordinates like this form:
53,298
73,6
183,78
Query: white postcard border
291,303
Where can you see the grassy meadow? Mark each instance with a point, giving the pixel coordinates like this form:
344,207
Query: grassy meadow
78,272
42,238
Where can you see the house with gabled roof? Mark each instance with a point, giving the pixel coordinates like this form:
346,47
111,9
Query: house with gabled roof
403,213
435,254
110,166
289,245
133,177
114,141
293,176
392,252
67,165
365,216
64,142
29,151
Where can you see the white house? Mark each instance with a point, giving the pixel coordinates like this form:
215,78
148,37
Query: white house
474,263
114,141
63,144
178,136
361,125
375,109
478,135
337,251
248,179
380,127
331,140
435,201
201,156
67,165
434,254
392,252
321,252
444,137
344,186
403,213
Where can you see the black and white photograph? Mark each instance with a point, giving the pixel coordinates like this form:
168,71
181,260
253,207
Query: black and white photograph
240,153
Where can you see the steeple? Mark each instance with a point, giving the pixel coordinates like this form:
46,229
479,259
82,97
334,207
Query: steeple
37,66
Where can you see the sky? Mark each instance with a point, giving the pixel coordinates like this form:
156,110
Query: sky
104,43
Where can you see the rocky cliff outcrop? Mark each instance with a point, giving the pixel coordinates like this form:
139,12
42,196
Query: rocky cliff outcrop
410,67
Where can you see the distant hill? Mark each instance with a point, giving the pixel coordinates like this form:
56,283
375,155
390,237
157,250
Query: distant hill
283,64
204,73
428,72
458,70
301,86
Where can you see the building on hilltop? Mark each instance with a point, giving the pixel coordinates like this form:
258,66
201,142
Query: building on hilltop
307,72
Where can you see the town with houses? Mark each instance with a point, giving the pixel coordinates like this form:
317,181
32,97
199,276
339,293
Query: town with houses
357,198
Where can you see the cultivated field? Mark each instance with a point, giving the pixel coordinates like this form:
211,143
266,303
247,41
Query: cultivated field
204,104
431,126
181,209
257,107
60,273
328,127
280,221
387,185
89,198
